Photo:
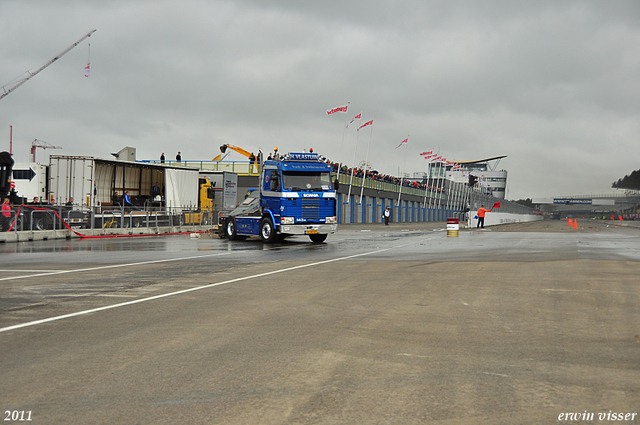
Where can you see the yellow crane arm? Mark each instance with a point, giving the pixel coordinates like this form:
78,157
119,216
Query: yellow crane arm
224,148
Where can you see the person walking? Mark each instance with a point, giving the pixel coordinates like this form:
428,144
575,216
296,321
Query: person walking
387,215
481,213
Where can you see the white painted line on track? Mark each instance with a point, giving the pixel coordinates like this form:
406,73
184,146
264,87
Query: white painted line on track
26,271
184,291
112,266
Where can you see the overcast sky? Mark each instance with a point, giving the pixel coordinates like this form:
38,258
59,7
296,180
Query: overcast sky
554,85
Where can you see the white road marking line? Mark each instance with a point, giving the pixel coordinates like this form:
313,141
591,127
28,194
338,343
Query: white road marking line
26,271
414,355
495,374
588,291
113,266
184,291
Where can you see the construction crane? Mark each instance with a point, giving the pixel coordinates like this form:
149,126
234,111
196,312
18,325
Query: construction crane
40,144
17,83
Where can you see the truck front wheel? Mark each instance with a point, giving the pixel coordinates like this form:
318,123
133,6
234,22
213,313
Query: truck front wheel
267,231
318,238
230,228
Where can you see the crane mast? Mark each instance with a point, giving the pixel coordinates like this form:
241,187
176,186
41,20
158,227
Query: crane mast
9,88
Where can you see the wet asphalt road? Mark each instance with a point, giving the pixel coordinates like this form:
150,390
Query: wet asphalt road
516,324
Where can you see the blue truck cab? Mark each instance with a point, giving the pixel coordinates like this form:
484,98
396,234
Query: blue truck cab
295,197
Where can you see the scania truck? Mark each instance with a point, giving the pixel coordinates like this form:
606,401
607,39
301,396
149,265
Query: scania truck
295,197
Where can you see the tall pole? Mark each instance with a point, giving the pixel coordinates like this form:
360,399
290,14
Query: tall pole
366,162
353,167
344,129
439,188
404,169
430,180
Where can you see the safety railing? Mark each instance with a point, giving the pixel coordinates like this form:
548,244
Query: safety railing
8,221
239,167
23,218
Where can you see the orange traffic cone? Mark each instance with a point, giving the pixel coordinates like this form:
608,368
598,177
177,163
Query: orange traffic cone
570,222
575,223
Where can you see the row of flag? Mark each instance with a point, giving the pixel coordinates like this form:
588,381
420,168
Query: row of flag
432,156
428,155
344,109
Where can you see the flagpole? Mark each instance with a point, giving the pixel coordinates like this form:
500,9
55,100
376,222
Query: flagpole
456,203
459,203
454,188
366,161
431,181
438,188
404,168
426,189
353,167
344,129
434,186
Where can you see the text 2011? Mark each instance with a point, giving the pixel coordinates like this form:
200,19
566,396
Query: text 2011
17,415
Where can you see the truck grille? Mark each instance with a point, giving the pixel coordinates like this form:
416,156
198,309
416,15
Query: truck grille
312,209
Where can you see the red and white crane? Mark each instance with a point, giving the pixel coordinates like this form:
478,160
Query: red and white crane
40,144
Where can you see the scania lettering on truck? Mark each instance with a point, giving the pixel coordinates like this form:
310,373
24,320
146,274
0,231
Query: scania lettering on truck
295,197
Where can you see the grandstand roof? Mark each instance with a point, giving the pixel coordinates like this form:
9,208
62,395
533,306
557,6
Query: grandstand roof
480,160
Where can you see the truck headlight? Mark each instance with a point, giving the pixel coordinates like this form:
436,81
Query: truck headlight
287,220
331,220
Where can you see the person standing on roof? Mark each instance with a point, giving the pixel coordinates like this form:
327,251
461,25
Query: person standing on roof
252,160
179,157
481,213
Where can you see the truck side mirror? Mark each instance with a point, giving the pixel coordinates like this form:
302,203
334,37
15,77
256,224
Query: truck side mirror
336,184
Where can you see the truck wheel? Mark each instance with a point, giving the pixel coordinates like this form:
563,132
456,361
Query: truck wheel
318,238
40,223
267,231
230,228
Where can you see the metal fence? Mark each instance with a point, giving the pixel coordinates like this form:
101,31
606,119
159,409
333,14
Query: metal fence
26,218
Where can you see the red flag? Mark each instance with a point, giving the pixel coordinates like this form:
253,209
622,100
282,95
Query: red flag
341,109
365,124
357,117
496,205
426,153
402,143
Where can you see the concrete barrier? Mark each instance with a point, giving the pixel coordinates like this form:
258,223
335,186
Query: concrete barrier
43,235
496,218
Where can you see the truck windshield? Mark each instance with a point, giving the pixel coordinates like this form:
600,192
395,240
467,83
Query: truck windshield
299,181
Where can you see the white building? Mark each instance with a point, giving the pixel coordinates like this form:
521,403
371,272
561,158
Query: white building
489,179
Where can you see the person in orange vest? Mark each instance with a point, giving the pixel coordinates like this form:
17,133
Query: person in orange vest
481,212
